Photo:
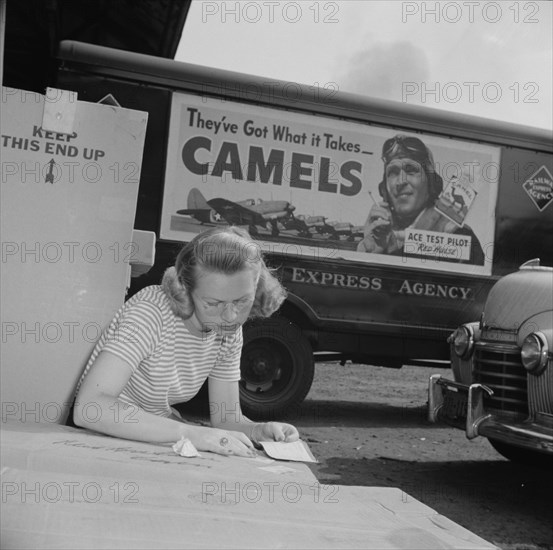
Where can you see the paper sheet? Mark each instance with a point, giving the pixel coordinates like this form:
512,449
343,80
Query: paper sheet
296,450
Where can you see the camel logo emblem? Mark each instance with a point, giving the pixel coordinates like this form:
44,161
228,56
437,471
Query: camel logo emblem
539,187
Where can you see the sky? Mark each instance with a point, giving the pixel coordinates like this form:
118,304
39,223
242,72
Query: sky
489,59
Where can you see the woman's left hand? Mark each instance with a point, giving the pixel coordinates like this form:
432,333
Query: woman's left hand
274,431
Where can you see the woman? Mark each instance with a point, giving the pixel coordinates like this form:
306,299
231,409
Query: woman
166,340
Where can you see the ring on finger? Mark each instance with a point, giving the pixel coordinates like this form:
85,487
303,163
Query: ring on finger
223,442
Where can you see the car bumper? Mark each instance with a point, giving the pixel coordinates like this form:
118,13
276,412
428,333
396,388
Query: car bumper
463,406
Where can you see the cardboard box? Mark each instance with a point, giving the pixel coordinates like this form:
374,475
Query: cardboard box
69,488
68,201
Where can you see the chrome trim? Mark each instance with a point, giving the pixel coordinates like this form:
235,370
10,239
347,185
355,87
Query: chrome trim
544,353
525,434
498,365
497,347
470,341
532,434
475,404
475,408
435,398
540,391
499,335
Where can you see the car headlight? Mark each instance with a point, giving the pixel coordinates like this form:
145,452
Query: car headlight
534,353
463,342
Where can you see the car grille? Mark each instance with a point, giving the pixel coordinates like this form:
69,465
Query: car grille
499,367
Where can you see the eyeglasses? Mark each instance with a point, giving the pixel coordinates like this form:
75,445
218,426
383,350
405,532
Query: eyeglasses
411,145
217,307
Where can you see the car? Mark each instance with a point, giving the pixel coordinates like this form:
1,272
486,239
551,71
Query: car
502,386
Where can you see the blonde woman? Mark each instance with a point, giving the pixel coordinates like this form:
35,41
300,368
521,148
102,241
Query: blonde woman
166,340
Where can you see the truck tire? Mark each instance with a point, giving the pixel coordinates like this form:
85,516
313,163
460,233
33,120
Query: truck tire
277,368
522,456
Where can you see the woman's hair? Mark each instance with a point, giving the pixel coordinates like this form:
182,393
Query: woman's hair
226,250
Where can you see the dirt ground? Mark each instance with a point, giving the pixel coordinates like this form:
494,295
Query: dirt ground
367,426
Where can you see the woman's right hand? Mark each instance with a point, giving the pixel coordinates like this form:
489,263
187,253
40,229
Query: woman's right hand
223,442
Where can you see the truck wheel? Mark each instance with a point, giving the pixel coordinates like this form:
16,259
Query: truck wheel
522,456
277,368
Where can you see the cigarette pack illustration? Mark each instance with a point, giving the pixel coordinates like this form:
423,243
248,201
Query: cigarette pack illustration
456,199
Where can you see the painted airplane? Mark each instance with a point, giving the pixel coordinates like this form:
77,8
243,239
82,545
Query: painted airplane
347,230
318,224
249,212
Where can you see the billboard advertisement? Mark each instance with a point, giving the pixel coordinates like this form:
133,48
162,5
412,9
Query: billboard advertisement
309,185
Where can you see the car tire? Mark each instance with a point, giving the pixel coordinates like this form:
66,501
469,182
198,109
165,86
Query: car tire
277,368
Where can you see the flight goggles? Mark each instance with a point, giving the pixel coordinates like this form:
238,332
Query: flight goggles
406,147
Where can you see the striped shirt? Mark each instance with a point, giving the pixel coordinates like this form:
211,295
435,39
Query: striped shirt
169,363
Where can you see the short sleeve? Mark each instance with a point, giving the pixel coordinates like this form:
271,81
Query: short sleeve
227,365
134,333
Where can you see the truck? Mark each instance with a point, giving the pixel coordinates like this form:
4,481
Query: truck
306,170
502,367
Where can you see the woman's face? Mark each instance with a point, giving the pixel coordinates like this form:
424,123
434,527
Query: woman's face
223,302
407,186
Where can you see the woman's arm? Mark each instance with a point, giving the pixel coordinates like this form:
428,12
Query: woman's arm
224,407
225,413
98,408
